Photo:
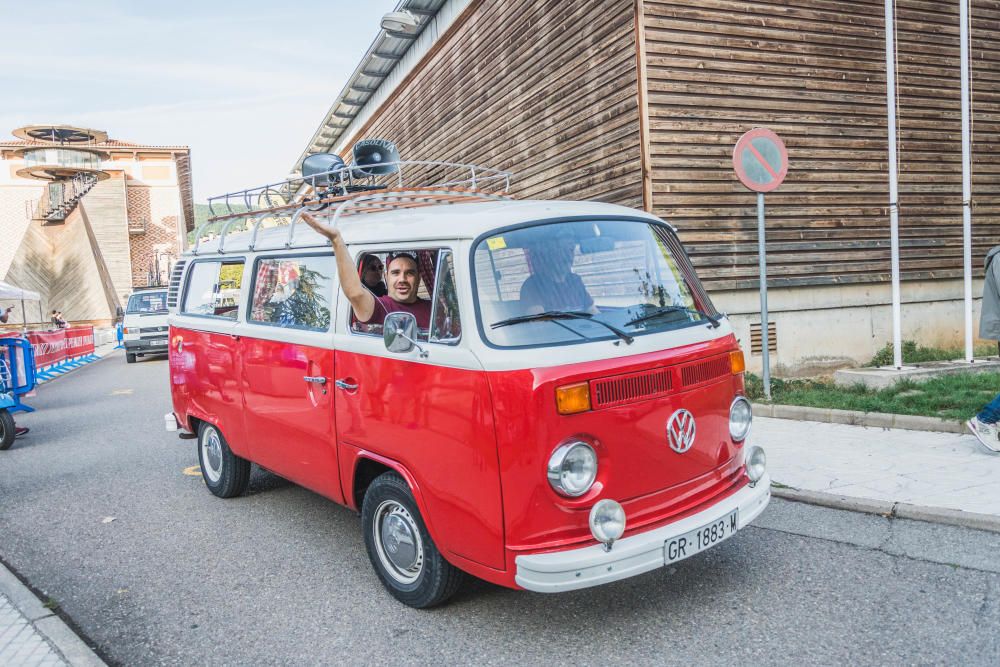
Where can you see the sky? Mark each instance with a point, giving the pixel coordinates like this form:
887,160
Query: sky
244,85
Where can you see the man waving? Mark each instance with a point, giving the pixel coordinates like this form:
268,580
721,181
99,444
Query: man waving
402,281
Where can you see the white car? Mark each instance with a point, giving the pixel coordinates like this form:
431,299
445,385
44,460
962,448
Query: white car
145,324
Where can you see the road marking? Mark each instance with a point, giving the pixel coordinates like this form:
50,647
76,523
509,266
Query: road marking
193,471
122,392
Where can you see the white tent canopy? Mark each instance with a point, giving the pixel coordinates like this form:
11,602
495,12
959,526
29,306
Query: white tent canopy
8,291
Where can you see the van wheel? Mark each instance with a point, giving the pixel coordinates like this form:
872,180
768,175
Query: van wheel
6,430
129,358
225,474
400,548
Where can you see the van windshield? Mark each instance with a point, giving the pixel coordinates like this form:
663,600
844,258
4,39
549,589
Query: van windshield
147,303
578,281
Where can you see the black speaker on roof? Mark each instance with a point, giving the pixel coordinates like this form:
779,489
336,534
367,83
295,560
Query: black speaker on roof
321,163
371,156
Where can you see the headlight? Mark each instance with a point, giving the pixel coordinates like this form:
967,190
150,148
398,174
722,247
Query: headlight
756,464
572,468
740,418
607,522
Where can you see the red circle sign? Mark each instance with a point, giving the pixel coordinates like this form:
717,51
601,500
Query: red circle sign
760,160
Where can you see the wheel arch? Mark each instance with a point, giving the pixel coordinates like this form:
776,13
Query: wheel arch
194,420
367,466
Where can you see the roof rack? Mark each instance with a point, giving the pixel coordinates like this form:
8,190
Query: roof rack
410,184
351,179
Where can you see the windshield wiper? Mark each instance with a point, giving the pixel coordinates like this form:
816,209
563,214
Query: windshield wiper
562,315
666,310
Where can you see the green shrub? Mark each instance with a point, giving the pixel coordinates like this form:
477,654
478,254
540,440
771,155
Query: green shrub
915,354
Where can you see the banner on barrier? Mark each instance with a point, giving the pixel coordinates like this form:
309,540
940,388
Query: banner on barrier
53,347
79,341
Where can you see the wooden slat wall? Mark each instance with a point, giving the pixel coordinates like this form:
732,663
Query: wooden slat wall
544,88
814,71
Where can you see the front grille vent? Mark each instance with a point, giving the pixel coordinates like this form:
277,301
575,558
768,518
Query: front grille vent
175,283
704,371
624,389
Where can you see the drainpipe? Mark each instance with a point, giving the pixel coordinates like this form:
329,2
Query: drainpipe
890,83
966,178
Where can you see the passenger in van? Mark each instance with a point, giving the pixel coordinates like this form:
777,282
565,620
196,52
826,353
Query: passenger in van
371,275
402,280
552,285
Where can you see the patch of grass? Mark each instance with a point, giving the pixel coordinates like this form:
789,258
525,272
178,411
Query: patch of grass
915,354
947,397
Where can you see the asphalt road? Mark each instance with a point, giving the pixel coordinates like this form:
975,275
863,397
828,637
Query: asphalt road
98,515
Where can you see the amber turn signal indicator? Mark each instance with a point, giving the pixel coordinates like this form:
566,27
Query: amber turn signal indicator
573,398
736,362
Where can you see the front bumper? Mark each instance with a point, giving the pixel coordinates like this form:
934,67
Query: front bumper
569,570
147,345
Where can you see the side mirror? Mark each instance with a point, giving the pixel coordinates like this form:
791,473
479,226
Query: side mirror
398,332
119,312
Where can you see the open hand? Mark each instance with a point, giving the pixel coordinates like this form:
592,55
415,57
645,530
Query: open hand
329,232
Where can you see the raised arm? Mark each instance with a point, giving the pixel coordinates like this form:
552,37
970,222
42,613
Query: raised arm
362,301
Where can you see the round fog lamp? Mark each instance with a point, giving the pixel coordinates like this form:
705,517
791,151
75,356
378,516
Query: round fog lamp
572,469
607,521
756,464
740,418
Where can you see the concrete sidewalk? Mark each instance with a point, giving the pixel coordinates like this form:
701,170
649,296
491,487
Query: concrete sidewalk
31,635
944,477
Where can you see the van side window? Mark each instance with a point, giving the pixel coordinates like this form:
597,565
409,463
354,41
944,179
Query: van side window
213,289
446,324
427,266
293,292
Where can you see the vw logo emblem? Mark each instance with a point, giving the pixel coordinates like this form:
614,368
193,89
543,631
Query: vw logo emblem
680,431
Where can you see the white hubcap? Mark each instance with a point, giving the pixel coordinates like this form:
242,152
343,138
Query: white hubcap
211,454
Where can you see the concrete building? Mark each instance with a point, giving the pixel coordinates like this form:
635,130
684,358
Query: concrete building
641,102
85,219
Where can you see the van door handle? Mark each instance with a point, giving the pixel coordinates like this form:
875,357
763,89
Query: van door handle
342,384
318,379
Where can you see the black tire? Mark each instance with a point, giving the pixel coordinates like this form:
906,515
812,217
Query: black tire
429,579
6,430
225,474
129,357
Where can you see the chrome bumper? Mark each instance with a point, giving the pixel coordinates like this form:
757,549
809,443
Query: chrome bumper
569,570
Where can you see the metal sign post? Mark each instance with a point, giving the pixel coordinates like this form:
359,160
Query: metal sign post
761,163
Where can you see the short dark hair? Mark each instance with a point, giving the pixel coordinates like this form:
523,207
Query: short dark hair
400,255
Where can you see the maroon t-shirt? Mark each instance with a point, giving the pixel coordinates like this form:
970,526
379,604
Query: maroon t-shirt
421,309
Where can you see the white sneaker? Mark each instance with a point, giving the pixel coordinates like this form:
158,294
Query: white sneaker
986,434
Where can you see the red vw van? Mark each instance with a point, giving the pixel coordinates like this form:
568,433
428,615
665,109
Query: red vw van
572,415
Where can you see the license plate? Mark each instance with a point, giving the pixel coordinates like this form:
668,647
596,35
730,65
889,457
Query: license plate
699,539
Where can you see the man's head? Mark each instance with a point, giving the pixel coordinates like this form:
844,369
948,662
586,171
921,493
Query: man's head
371,271
552,260
402,278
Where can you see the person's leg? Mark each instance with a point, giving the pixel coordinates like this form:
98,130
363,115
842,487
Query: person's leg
991,413
984,425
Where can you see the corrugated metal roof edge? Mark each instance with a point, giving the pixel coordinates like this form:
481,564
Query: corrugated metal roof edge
369,57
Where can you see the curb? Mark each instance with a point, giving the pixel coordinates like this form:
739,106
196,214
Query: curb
66,642
891,510
853,418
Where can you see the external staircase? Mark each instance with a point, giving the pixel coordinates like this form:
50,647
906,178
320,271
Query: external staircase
63,197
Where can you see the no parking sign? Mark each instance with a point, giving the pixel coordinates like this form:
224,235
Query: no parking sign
760,160
761,163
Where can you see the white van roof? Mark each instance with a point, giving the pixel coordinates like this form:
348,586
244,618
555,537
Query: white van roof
429,223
